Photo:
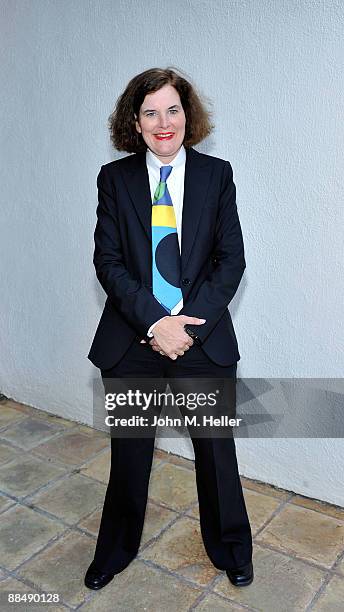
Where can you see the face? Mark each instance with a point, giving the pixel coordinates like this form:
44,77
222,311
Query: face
161,122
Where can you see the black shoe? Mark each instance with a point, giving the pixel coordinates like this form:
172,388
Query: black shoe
96,579
241,576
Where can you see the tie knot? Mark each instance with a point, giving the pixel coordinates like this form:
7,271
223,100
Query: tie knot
165,172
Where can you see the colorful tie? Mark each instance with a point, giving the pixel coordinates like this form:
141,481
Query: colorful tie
165,248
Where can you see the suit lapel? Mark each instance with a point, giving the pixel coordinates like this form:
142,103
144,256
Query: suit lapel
196,181
137,182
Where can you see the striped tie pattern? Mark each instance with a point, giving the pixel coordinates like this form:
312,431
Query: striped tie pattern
165,248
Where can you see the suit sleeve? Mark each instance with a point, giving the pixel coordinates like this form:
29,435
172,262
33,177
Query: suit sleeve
216,292
134,301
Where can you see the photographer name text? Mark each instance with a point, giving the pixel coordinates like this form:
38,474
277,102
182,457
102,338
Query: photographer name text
193,421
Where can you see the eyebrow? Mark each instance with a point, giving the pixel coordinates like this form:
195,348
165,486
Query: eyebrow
150,110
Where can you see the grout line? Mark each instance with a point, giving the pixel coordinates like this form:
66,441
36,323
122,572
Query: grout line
205,589
190,468
3,428
52,540
172,573
318,510
224,598
47,545
31,453
154,538
39,414
60,463
336,563
24,498
50,437
313,564
166,507
50,485
293,495
45,514
8,508
275,512
32,585
326,579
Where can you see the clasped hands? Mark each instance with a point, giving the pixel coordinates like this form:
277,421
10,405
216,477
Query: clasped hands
170,337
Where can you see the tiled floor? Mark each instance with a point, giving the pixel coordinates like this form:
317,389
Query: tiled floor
53,479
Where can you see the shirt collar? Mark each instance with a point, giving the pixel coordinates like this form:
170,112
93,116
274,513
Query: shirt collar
153,161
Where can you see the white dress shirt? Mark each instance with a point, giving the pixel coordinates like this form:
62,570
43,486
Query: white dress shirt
175,183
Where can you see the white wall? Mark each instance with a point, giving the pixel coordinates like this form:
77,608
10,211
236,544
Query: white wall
275,74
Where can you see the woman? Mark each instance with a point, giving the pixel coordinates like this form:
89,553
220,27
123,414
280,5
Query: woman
169,254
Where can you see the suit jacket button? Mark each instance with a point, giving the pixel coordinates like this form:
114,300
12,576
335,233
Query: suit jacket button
186,281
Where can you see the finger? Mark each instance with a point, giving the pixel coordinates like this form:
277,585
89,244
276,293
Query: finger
156,346
193,320
183,350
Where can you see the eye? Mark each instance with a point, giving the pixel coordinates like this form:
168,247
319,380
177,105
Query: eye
150,114
174,110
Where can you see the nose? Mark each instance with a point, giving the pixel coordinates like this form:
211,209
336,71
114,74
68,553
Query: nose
164,121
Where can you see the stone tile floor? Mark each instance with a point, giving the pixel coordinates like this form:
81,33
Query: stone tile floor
53,479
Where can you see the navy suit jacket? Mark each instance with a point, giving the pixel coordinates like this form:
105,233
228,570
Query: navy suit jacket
212,256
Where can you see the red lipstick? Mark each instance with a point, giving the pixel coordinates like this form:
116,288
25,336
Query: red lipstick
164,136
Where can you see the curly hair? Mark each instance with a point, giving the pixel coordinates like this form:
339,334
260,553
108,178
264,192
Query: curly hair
121,122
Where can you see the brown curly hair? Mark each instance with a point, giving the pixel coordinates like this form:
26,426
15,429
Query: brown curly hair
121,122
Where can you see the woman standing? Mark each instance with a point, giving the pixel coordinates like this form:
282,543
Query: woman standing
169,254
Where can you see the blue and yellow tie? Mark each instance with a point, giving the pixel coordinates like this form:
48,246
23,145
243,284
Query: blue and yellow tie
166,255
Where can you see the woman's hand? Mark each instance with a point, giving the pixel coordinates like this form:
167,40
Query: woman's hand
170,338
155,346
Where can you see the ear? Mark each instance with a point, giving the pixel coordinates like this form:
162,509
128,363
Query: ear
137,125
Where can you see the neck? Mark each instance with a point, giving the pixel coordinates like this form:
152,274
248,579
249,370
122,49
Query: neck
166,159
